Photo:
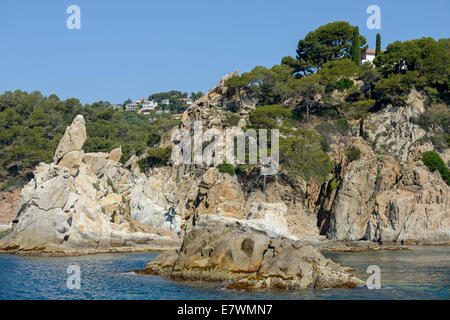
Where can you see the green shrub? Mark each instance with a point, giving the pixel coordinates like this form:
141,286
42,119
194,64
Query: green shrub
240,170
266,116
353,154
358,109
342,126
395,88
96,186
327,129
226,168
324,144
303,156
231,120
153,139
434,162
341,84
111,184
378,176
156,157
332,186
436,121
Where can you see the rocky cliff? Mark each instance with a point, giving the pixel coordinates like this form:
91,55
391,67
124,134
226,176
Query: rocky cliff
79,204
387,195
90,201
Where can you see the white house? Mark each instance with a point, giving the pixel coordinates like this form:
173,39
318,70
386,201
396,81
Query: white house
131,106
149,104
142,100
188,101
368,55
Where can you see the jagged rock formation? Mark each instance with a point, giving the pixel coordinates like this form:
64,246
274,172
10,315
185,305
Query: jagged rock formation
78,204
238,252
153,200
391,130
225,98
72,141
90,201
387,195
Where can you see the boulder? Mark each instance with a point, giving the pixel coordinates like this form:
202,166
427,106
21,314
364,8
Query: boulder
95,161
115,154
72,160
225,249
221,194
416,211
73,138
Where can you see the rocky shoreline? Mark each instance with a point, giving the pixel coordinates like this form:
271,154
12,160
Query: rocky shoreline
227,250
41,252
239,228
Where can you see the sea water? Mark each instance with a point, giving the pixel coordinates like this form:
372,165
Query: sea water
420,273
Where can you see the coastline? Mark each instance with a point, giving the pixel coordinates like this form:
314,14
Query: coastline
329,246
45,252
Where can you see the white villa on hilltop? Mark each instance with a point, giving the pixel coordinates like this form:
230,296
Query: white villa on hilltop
368,56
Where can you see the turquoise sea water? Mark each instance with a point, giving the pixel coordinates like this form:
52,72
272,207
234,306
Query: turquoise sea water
422,273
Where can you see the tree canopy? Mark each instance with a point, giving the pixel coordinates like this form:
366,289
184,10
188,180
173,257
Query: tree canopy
328,42
31,126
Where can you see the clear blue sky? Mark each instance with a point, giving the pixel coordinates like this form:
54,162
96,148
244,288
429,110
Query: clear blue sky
134,48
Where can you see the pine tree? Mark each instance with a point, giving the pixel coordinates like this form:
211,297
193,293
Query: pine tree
356,47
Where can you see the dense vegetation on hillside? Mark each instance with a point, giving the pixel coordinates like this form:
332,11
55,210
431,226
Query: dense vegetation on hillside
324,80
175,104
31,126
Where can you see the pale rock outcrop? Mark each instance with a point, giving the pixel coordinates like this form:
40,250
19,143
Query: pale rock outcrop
417,210
225,249
59,212
95,161
153,200
300,220
115,154
380,199
228,98
169,200
271,216
220,194
348,205
392,130
354,199
73,139
5,228
388,195
72,160
212,108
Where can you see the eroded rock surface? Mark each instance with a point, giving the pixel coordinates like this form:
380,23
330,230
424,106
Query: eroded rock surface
8,204
247,257
90,201
78,205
